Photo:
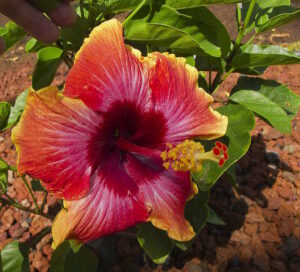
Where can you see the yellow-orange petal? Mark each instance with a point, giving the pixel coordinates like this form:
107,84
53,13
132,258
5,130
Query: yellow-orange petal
52,140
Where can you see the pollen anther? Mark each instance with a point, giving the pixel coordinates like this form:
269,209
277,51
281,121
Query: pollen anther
188,155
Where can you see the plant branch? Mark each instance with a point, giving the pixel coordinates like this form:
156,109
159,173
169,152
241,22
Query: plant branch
243,29
37,209
135,11
12,202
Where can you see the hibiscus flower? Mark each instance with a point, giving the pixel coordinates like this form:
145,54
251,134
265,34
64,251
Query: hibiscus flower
113,144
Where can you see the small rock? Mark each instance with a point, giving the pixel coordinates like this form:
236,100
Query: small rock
47,250
288,176
278,266
270,237
25,224
254,218
272,156
274,203
268,215
236,236
3,236
286,227
251,229
25,203
286,193
1,139
18,232
261,260
289,148
194,267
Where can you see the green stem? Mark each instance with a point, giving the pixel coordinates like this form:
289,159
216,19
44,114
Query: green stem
247,19
223,78
12,202
143,2
35,239
37,209
44,201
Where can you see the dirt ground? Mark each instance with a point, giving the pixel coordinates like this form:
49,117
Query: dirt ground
262,231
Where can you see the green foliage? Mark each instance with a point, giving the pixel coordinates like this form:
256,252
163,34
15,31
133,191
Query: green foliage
155,242
251,55
15,257
213,218
3,175
237,138
196,212
33,45
4,113
15,111
276,17
64,259
182,4
11,33
49,59
269,99
192,31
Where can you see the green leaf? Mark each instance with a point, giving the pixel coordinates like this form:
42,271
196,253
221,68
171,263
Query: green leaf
163,26
3,165
76,34
213,218
258,10
3,175
33,45
237,138
117,6
75,245
15,257
263,4
16,110
3,181
182,4
230,172
218,35
264,107
196,212
11,33
263,55
49,59
269,99
65,260
276,17
4,114
155,242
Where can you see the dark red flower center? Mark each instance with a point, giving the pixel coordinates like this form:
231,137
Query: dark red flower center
126,128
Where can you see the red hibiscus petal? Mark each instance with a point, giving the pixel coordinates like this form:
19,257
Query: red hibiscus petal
52,138
111,206
164,193
185,105
106,70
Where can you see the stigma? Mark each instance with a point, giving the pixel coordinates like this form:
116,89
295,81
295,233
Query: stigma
188,155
